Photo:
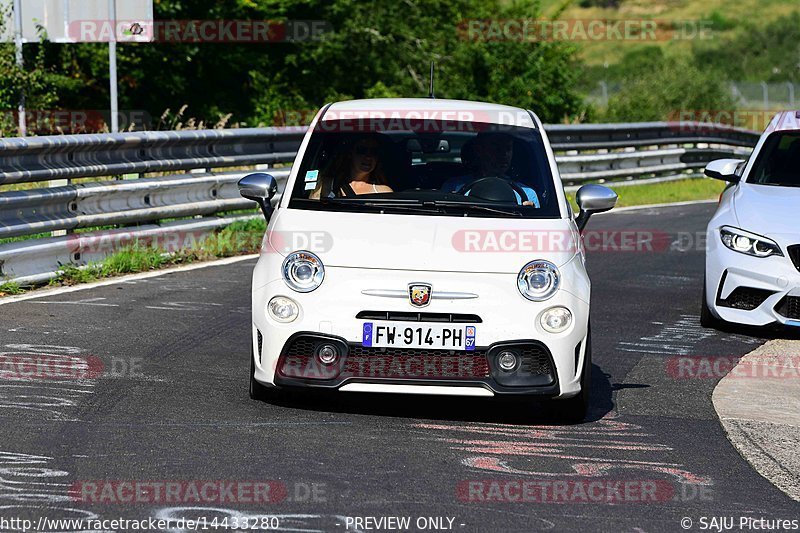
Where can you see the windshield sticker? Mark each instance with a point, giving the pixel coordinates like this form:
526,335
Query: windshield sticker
312,175
311,186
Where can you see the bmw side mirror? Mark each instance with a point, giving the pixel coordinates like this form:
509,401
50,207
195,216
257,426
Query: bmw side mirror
593,199
260,188
724,169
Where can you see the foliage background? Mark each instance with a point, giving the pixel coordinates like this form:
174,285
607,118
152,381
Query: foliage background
383,48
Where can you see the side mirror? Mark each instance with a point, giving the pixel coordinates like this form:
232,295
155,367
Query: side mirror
593,199
260,188
724,169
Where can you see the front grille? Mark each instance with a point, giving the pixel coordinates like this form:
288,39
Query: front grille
299,361
789,307
260,343
534,361
794,254
404,363
453,318
745,298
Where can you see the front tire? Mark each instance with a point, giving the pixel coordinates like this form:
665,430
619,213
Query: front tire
575,409
257,391
707,318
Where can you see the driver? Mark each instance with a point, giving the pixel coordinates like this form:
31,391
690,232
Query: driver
494,153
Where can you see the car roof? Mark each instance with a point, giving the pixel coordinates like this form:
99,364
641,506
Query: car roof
432,108
784,121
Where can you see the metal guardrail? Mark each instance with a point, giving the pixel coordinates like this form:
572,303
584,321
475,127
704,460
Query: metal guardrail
199,183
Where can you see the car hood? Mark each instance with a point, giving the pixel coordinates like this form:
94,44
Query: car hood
768,210
425,243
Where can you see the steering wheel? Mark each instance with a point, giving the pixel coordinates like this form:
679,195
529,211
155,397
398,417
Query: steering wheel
494,189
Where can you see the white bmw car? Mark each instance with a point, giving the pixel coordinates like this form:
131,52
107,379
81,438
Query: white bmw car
423,246
753,253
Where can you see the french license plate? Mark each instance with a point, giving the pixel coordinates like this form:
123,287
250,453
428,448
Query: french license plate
418,335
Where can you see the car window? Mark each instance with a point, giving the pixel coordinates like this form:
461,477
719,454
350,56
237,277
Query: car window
778,163
433,167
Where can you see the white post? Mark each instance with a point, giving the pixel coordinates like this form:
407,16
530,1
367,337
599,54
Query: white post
604,93
790,86
112,65
23,126
65,7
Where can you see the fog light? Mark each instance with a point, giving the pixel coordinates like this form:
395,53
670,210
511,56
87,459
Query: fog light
556,319
282,309
507,361
327,354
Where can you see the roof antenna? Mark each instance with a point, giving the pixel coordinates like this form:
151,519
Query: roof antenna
430,94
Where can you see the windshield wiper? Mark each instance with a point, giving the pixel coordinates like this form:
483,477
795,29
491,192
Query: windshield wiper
415,205
475,207
404,205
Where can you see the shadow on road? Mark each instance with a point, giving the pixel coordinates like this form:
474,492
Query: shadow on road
766,333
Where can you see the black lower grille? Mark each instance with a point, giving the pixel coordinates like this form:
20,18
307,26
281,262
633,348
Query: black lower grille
303,355
794,254
789,307
535,366
299,361
260,343
745,298
534,361
414,364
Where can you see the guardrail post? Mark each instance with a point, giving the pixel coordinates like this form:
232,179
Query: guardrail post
765,93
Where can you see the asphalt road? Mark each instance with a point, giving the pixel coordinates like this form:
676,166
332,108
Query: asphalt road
167,401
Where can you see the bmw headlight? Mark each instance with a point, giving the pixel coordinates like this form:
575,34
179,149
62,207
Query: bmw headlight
748,243
303,271
538,280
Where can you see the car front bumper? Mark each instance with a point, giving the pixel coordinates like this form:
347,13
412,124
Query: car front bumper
506,319
750,290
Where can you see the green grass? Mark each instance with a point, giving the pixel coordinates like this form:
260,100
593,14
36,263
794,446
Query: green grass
239,238
10,288
128,260
663,193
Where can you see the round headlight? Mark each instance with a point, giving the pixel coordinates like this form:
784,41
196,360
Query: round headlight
282,309
538,280
556,319
303,271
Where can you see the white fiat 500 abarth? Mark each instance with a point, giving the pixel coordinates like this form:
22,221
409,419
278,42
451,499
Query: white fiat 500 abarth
423,246
753,252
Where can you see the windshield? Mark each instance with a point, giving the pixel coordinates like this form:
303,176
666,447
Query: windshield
449,168
779,161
